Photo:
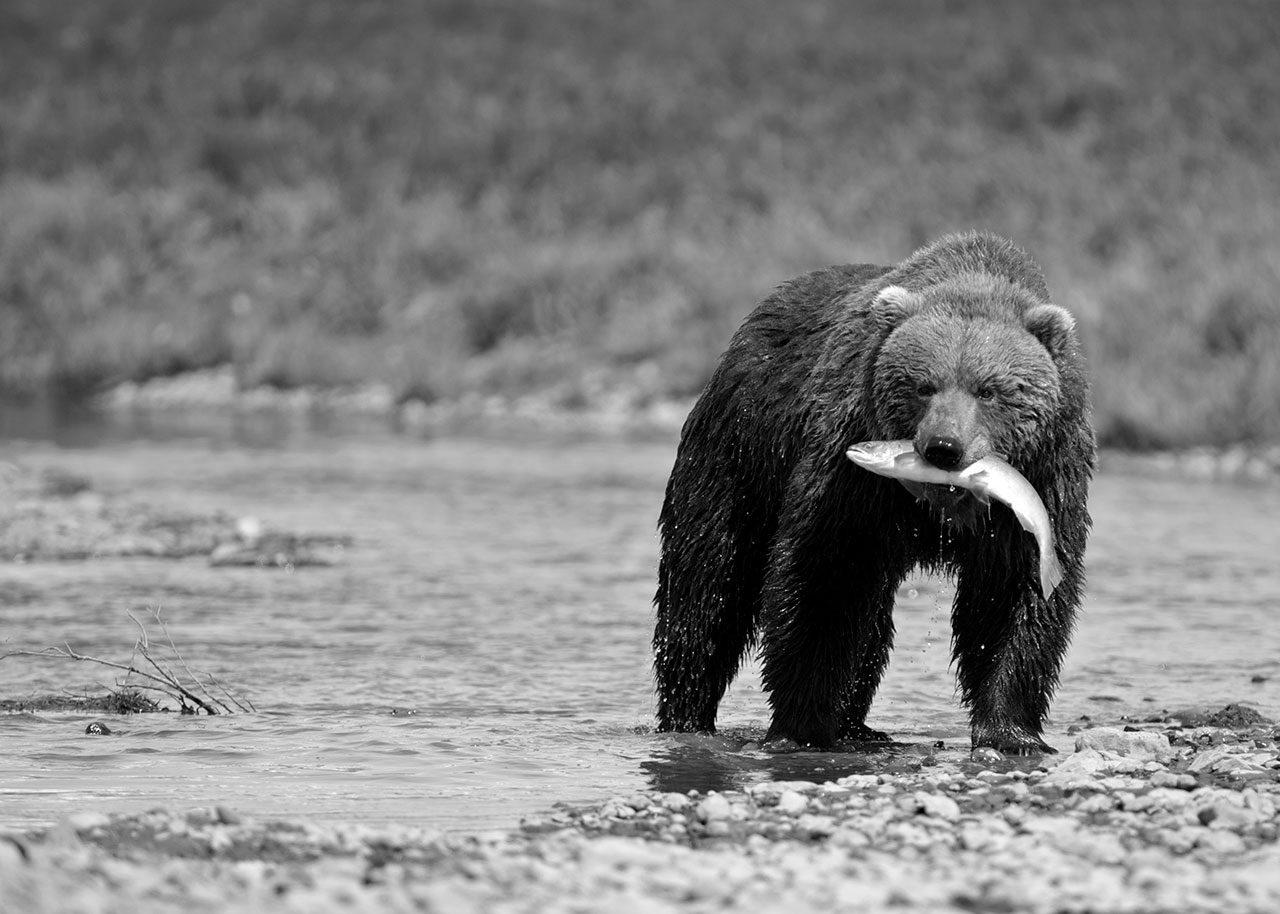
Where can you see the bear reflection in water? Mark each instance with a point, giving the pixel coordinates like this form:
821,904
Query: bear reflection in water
772,538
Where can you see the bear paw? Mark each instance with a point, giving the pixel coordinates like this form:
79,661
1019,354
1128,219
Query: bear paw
1014,743
861,733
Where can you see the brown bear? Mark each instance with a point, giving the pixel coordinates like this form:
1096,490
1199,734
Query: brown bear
772,538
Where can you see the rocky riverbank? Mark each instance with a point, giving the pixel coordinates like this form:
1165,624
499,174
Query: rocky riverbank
600,403
1165,818
629,404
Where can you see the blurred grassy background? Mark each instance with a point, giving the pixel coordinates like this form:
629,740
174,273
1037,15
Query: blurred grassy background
507,195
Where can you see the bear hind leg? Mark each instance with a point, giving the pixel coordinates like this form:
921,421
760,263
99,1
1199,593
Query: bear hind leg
702,633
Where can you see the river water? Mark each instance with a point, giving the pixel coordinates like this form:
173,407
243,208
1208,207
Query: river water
500,590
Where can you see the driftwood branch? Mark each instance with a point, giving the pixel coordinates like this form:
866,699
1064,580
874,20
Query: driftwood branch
192,693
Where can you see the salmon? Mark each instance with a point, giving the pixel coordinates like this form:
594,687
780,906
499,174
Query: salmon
987,478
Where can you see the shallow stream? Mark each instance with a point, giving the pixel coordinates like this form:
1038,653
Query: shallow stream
496,598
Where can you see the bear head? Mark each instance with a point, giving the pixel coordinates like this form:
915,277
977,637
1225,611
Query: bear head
969,367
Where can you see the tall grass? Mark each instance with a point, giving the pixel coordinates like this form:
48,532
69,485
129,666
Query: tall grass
448,195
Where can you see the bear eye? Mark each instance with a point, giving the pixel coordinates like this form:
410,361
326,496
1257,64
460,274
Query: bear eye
926,388
985,392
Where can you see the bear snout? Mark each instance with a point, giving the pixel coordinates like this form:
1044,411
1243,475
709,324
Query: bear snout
944,453
952,434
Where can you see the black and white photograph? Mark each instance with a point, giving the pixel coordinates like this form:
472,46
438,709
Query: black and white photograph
670,457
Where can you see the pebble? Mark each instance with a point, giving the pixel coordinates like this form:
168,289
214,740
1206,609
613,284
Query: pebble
936,805
1014,815
859,781
1225,843
1223,813
792,803
1050,826
86,821
13,853
1170,779
718,828
1134,744
982,835
676,802
1096,803
715,807
816,826
617,809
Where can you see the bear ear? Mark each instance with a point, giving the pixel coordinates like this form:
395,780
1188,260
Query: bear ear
1053,326
897,303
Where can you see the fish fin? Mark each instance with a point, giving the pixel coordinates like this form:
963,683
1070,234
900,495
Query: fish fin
977,487
915,488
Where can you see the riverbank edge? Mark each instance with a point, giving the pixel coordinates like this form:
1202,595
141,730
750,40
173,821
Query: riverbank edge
1149,819
601,406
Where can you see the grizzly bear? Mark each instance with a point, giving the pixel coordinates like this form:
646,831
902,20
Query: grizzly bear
771,538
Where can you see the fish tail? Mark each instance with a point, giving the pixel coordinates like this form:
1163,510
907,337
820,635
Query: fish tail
1050,573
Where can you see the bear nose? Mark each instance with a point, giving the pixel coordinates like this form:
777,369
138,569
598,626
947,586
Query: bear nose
944,453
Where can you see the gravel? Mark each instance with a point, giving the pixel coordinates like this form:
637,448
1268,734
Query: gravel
1176,819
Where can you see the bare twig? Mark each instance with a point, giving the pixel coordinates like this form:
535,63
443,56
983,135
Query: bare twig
195,675
193,695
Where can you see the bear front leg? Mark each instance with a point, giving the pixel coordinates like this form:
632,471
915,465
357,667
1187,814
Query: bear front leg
869,667
1008,645
827,630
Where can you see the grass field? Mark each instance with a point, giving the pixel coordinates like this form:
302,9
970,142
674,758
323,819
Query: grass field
505,195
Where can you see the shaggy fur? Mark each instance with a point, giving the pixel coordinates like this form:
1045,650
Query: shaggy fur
771,537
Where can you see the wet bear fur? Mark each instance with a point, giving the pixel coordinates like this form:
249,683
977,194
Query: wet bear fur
773,540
